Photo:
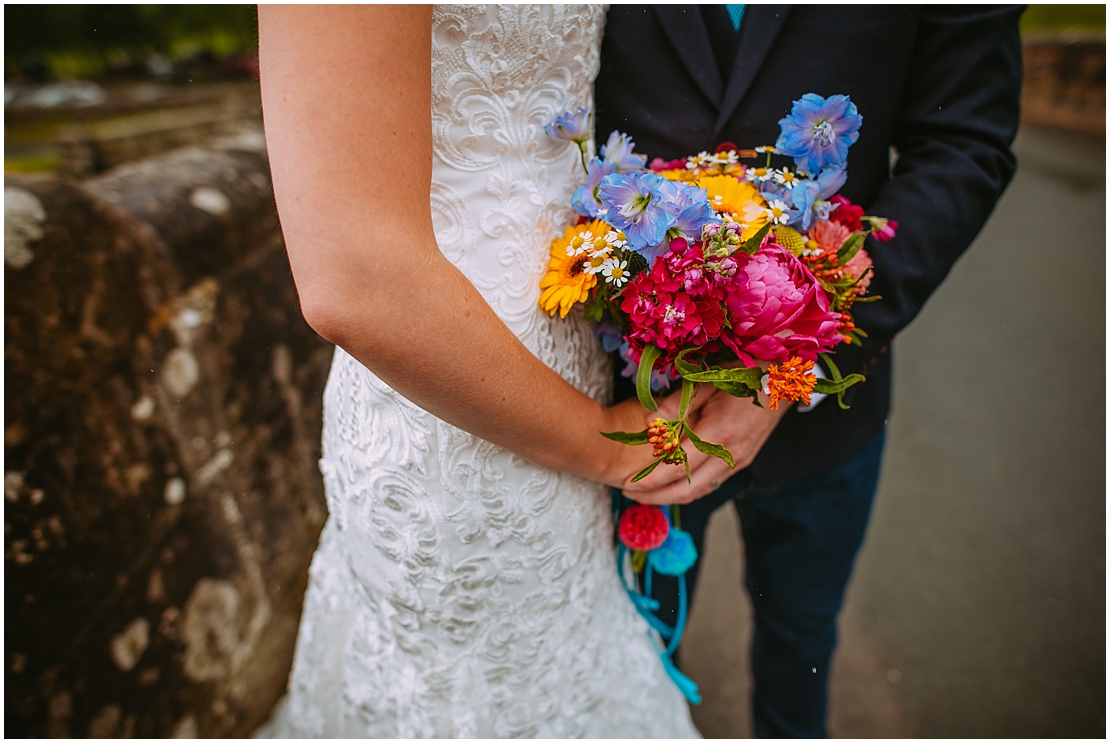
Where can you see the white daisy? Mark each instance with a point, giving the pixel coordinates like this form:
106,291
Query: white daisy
778,212
615,271
759,175
580,244
616,239
727,158
785,178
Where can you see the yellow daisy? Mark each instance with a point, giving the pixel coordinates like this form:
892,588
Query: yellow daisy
736,200
567,282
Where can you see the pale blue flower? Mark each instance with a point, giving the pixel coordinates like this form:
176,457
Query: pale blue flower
676,555
691,210
618,150
818,131
811,198
609,334
584,201
636,206
571,127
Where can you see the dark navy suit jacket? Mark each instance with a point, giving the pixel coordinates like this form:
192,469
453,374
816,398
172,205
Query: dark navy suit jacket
938,84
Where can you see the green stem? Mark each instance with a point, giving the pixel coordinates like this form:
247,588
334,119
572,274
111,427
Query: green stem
582,157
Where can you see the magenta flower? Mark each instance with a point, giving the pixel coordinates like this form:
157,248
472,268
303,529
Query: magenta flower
674,306
781,311
884,229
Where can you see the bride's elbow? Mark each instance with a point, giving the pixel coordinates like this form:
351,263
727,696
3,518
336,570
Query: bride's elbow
330,312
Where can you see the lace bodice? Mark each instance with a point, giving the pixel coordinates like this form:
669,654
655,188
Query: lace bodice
459,590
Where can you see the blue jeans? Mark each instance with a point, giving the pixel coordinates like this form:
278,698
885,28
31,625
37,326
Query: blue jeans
800,542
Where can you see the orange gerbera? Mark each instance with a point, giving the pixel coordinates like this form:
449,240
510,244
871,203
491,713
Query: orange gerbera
679,174
737,200
794,380
567,282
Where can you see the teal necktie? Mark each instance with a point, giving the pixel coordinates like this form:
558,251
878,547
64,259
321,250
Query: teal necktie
735,14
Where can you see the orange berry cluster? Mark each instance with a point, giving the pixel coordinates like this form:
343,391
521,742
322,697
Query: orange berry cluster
825,266
845,326
663,437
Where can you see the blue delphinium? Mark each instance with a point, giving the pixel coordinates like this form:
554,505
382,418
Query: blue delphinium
584,201
609,334
819,131
637,207
811,198
691,210
618,150
571,126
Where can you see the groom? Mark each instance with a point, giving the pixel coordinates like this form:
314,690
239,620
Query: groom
938,85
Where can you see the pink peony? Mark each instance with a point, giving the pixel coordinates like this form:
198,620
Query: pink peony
781,310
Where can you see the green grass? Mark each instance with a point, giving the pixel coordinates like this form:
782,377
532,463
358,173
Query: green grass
1056,18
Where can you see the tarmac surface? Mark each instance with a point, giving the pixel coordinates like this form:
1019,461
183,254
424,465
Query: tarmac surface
978,603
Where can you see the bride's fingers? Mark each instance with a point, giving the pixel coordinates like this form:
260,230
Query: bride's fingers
709,476
664,475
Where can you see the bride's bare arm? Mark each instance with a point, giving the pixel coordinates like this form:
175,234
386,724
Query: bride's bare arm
346,93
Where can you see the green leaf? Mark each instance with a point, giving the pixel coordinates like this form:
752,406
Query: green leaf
682,365
594,311
647,470
709,449
749,375
736,389
833,387
639,557
850,247
685,367
830,365
684,401
627,437
687,463
752,244
643,376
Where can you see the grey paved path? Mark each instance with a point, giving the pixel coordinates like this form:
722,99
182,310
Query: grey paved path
978,604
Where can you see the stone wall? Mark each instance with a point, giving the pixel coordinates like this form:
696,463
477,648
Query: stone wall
162,418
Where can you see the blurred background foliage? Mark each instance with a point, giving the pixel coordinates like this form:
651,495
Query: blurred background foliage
44,42
91,42
1063,18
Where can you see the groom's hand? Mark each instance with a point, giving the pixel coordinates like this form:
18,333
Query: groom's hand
733,422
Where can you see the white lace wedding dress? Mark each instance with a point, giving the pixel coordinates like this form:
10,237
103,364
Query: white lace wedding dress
458,590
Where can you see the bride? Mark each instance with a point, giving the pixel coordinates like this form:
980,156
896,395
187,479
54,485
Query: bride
465,582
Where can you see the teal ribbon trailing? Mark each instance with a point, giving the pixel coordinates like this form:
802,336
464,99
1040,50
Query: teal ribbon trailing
645,605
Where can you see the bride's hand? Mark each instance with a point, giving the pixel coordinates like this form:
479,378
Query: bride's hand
624,461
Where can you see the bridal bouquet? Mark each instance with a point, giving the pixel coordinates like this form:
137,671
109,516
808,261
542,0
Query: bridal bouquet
719,270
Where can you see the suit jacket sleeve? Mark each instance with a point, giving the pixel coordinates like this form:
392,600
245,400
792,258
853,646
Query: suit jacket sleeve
957,117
